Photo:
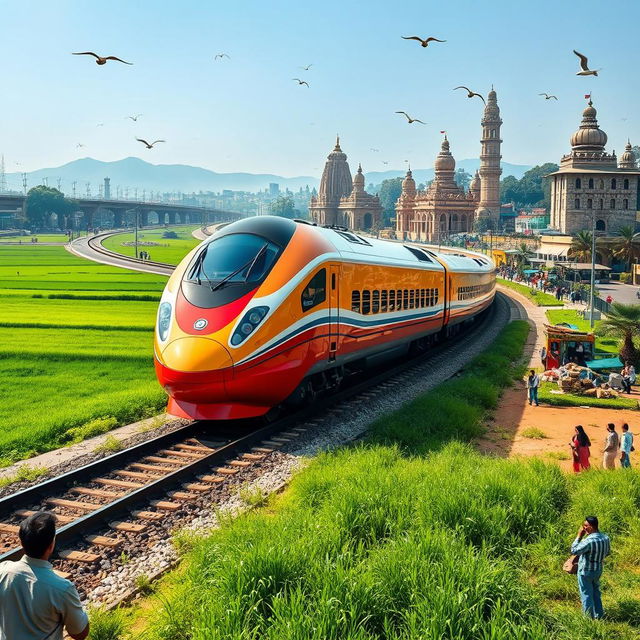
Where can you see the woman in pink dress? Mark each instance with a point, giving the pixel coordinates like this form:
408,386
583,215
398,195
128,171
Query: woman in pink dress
580,444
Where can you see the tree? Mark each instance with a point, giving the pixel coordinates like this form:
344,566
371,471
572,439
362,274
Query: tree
389,193
522,256
283,206
623,322
627,246
531,189
462,178
510,189
43,201
581,246
483,224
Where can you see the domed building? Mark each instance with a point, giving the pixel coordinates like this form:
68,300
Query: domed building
444,208
341,200
592,181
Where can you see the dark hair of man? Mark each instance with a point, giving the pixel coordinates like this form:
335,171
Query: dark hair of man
625,427
532,372
37,533
583,438
593,521
611,426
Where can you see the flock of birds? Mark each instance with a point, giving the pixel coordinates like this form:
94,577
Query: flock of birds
424,42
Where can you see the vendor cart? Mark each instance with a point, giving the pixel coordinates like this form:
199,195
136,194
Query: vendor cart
565,343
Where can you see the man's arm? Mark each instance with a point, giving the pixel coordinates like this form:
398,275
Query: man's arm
579,546
74,616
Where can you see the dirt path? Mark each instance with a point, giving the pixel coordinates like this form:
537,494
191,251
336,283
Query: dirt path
514,417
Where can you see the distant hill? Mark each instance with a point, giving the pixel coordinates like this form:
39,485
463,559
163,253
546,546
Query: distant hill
137,173
424,175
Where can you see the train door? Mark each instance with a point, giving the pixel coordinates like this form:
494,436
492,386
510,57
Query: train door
334,310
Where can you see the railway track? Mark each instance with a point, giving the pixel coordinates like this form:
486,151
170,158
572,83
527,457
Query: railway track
109,504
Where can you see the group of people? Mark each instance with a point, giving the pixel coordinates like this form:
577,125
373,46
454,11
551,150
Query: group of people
144,255
616,446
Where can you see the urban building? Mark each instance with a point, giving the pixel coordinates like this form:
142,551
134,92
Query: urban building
591,187
530,222
444,207
274,189
341,199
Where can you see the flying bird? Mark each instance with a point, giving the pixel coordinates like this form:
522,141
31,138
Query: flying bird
385,162
222,55
424,43
100,124
79,145
134,118
374,150
409,118
100,60
149,145
307,67
547,96
584,66
300,81
470,94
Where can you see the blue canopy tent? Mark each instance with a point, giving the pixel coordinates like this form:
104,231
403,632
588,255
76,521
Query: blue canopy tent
604,364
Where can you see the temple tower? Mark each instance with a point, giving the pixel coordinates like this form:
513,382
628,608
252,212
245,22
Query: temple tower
490,169
336,183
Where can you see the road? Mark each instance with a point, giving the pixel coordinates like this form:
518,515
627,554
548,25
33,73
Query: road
626,293
82,247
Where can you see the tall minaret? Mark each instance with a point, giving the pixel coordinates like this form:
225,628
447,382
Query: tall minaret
490,161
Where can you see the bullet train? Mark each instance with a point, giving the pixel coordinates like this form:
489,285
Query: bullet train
268,311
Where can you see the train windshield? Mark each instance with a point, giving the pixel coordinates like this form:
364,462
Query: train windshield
239,258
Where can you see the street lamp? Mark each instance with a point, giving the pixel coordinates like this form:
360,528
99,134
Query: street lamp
136,235
593,268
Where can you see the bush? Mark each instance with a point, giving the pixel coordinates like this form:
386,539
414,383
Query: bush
170,235
626,278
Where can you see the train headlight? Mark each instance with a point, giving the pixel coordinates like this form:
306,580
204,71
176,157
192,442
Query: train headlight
248,324
164,320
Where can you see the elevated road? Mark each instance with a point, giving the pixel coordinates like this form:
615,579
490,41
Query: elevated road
90,247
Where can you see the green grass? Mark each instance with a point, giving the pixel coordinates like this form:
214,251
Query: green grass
170,251
76,349
573,400
42,237
411,535
534,433
539,298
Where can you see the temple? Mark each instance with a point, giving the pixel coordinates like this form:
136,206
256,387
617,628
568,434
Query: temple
591,188
444,207
341,200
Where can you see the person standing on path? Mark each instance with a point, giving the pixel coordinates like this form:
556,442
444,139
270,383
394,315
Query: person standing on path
580,444
626,446
610,447
592,547
533,382
35,603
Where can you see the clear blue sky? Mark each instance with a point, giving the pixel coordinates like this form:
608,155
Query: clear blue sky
246,113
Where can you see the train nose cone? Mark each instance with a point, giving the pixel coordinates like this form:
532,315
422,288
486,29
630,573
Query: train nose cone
196,354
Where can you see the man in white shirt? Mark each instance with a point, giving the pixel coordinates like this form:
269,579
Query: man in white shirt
533,382
35,603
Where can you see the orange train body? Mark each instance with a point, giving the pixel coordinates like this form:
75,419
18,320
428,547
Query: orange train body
268,309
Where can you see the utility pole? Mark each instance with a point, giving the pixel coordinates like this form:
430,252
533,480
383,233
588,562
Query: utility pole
593,269
73,187
88,185
135,194
136,237
24,183
59,183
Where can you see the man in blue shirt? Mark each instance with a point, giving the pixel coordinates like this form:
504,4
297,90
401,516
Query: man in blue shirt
626,445
592,547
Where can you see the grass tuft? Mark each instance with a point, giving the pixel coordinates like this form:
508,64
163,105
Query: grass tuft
534,433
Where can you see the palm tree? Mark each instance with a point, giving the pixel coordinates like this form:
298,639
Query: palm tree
623,322
627,246
522,256
581,246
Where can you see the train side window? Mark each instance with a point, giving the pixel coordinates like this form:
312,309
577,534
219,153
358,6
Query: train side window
412,294
405,296
423,298
315,292
399,306
375,306
431,298
392,300
435,296
383,301
355,301
366,301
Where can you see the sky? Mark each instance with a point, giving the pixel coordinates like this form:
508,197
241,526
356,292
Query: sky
246,113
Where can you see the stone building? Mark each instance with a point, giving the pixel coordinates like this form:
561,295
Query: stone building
490,170
444,208
591,182
341,200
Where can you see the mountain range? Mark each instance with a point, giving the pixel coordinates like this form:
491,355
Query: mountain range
136,173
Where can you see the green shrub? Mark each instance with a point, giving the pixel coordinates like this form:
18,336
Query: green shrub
106,625
95,427
534,433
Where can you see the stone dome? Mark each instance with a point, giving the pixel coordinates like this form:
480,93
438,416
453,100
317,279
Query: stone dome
589,137
445,161
408,185
358,180
628,158
474,187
